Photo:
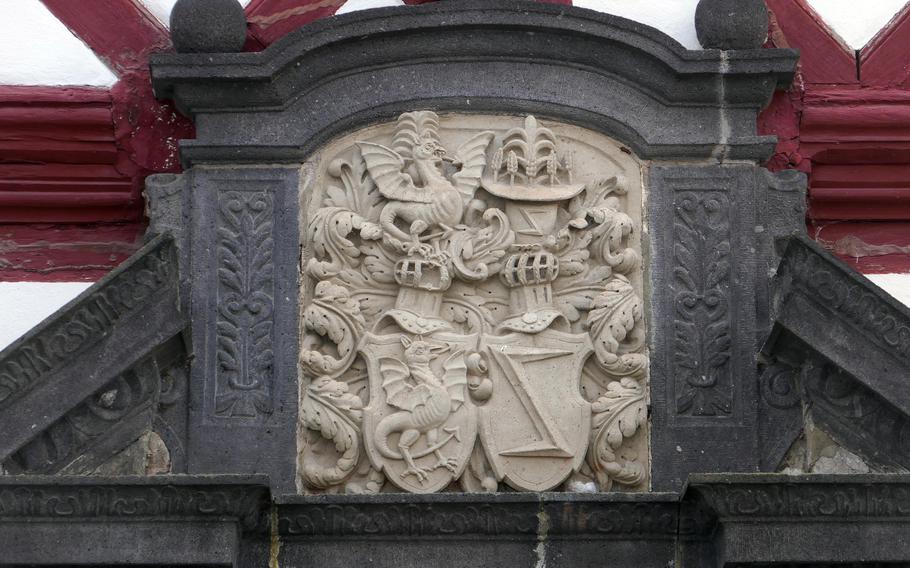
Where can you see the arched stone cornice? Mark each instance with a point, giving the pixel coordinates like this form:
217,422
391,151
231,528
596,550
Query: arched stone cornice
625,79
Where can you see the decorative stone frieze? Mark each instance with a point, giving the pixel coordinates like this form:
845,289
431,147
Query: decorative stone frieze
473,309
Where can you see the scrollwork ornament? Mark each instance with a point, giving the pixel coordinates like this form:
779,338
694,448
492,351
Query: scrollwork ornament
458,278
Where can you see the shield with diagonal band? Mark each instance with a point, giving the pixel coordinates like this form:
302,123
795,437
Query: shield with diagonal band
536,424
420,425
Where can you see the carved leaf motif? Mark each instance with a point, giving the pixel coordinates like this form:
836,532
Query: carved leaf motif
359,194
333,315
477,250
702,337
617,415
329,232
244,325
616,313
329,408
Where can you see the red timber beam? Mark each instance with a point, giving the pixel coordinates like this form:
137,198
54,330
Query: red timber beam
73,159
845,123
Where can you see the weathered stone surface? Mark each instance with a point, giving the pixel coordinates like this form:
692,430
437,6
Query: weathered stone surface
702,249
208,26
807,520
84,384
79,521
480,322
720,520
731,24
473,56
462,58
244,250
838,354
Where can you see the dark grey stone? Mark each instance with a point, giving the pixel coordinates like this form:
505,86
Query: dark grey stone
731,24
719,520
598,71
839,353
817,520
153,521
702,320
243,394
781,207
82,385
208,26
844,318
467,530
553,61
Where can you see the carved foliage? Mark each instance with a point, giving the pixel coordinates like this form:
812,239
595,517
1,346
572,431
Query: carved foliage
447,291
245,304
701,279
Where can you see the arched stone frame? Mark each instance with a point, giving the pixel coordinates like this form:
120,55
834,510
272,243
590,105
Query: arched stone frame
691,113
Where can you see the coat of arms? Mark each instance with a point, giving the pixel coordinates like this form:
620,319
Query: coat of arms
473,317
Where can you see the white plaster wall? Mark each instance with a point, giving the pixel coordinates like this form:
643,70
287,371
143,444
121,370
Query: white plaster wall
161,9
676,18
857,22
24,305
354,5
37,49
898,285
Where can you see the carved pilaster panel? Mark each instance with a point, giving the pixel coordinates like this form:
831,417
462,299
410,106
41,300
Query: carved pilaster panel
242,386
246,301
702,308
702,331
473,310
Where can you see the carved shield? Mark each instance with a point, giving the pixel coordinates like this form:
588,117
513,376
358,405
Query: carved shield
536,424
420,424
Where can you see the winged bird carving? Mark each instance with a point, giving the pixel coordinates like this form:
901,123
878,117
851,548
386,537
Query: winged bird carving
431,199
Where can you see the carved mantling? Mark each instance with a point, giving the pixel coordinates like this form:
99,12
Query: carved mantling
473,310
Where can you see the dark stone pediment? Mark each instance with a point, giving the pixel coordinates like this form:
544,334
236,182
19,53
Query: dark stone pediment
84,384
628,80
840,355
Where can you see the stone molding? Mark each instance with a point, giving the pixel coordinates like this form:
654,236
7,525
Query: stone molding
243,499
804,497
460,53
76,327
718,520
839,351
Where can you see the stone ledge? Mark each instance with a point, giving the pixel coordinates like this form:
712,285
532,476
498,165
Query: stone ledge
720,519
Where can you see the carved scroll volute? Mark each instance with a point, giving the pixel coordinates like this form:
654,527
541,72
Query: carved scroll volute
473,315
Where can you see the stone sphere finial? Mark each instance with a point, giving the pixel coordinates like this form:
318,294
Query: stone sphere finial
731,24
208,26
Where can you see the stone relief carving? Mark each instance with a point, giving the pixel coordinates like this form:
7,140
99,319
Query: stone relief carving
701,278
245,304
473,313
